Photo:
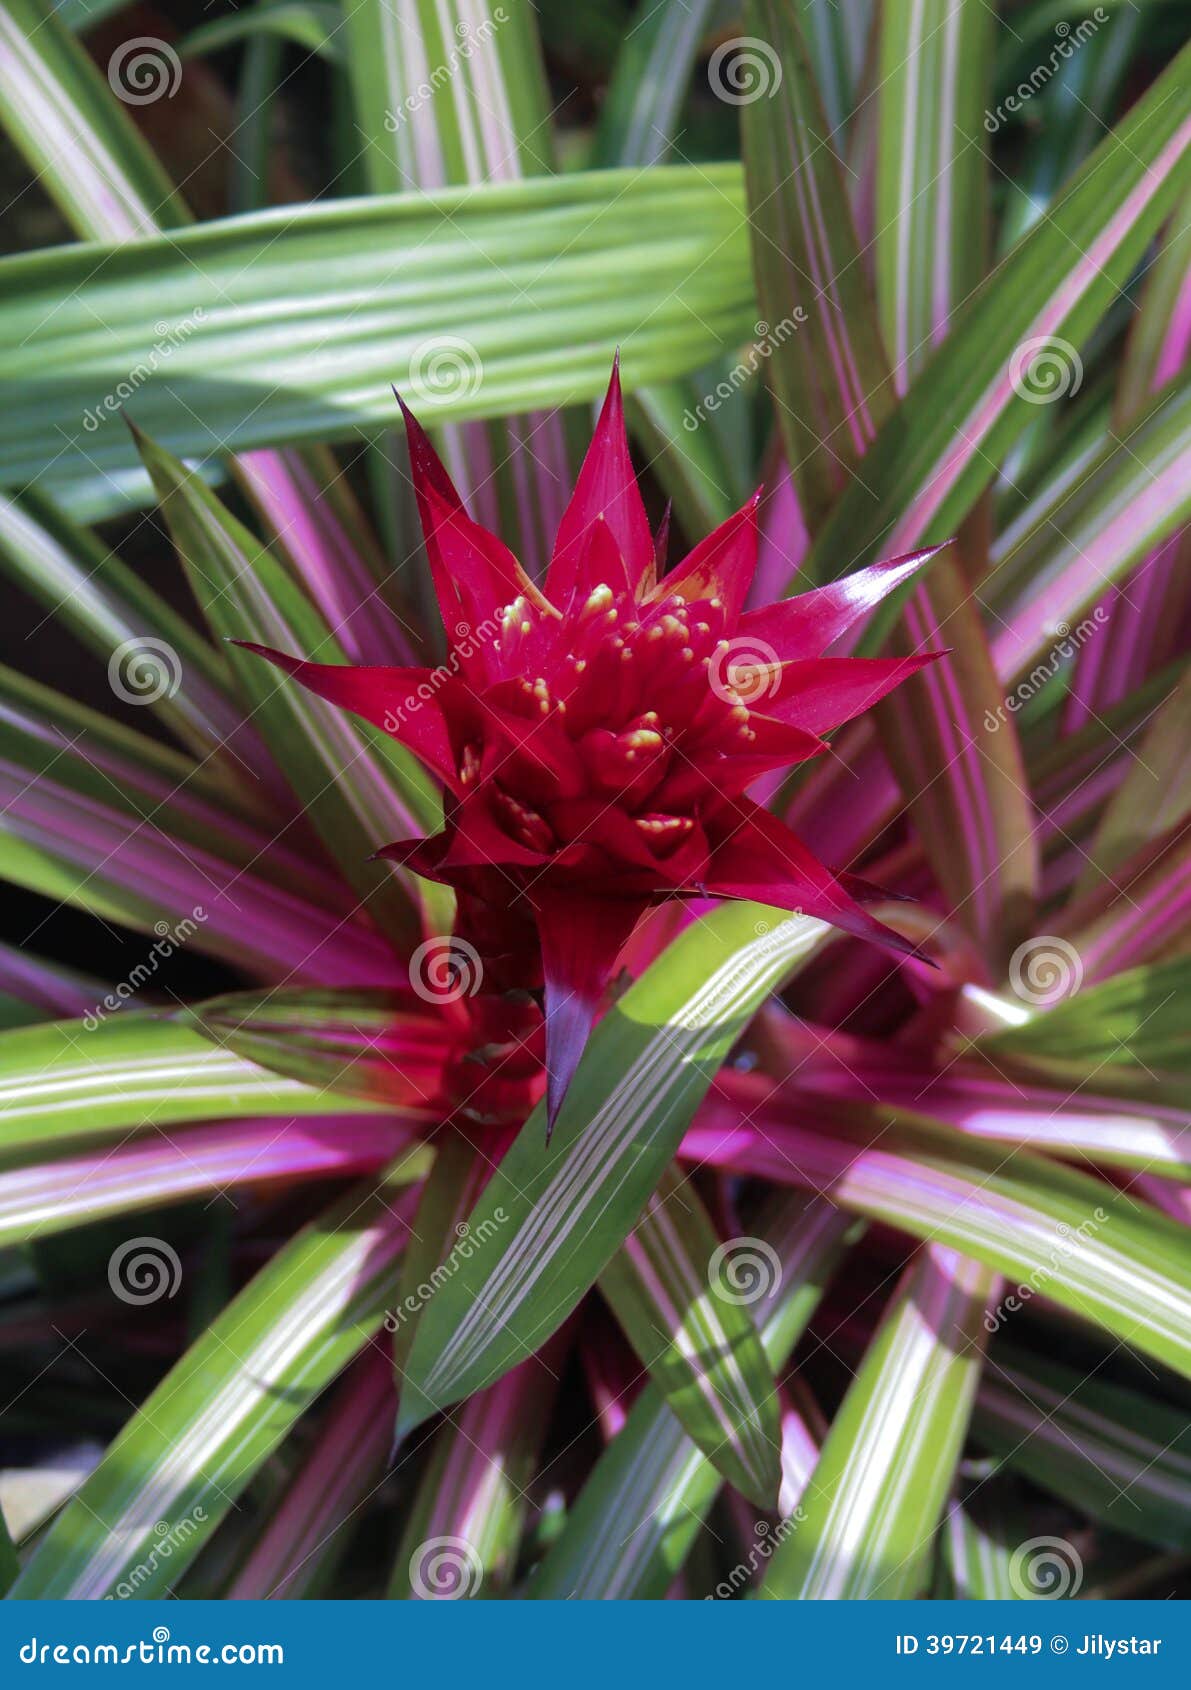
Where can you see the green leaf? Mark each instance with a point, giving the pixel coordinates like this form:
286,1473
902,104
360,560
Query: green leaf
932,196
102,817
1153,332
365,1044
965,789
868,1517
691,459
464,1526
66,1082
837,40
1066,115
1111,1452
485,119
160,1168
1117,1263
553,1216
978,1554
501,276
313,24
639,117
964,786
360,789
935,455
1136,917
79,140
1132,495
305,1538
1154,796
90,591
1133,1024
631,1526
448,92
46,989
217,1415
460,1172
806,262
675,1291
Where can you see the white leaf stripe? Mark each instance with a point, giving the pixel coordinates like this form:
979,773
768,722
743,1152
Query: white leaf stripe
290,1352
979,1564
132,1073
593,1170
113,204
874,1499
680,1305
938,483
50,1195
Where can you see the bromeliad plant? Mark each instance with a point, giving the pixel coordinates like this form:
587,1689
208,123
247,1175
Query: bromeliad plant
550,1102
599,741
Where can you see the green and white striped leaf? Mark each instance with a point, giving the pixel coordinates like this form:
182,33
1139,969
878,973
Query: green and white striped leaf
932,195
1119,1456
965,788
553,1216
630,1528
868,1517
460,1172
1100,1255
369,292
169,1167
978,1557
1133,1024
99,816
464,1527
486,120
190,1450
672,1287
937,453
1135,493
79,140
314,24
300,1546
639,117
837,40
65,1082
805,257
696,462
1154,796
367,1044
86,588
447,93
1067,113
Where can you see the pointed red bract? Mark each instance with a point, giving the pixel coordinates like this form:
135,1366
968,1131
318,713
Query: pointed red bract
581,938
806,625
598,739
606,491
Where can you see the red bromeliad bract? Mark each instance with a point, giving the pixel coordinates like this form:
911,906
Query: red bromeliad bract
596,738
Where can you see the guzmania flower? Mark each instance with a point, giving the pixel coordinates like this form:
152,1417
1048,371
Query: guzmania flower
597,737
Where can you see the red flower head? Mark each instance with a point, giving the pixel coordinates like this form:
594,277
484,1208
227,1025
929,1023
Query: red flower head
596,739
